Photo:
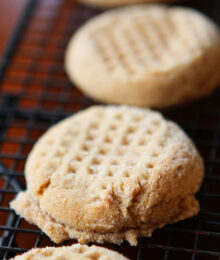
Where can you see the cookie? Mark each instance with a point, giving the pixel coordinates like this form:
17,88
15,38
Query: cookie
146,55
112,3
109,174
74,252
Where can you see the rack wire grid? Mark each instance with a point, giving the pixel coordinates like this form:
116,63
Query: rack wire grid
35,93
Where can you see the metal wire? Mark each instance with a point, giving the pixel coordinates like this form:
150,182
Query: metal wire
35,94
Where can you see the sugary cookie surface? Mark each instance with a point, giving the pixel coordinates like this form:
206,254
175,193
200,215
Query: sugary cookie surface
75,252
116,171
145,55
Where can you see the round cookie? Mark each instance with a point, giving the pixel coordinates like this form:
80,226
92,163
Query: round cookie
112,3
74,252
109,174
146,55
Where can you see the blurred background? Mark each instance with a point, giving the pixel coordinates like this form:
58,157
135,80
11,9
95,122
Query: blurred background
10,11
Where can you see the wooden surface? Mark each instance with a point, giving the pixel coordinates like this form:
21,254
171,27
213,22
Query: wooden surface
10,12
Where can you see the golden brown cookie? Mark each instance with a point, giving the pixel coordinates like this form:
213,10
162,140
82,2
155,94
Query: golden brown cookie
146,55
112,3
74,252
109,174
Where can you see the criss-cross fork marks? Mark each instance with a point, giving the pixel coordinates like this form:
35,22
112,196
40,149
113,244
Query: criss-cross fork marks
109,143
145,40
112,144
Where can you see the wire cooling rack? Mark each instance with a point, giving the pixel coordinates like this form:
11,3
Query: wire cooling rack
35,93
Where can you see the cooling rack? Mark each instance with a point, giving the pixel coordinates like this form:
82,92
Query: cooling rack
35,93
